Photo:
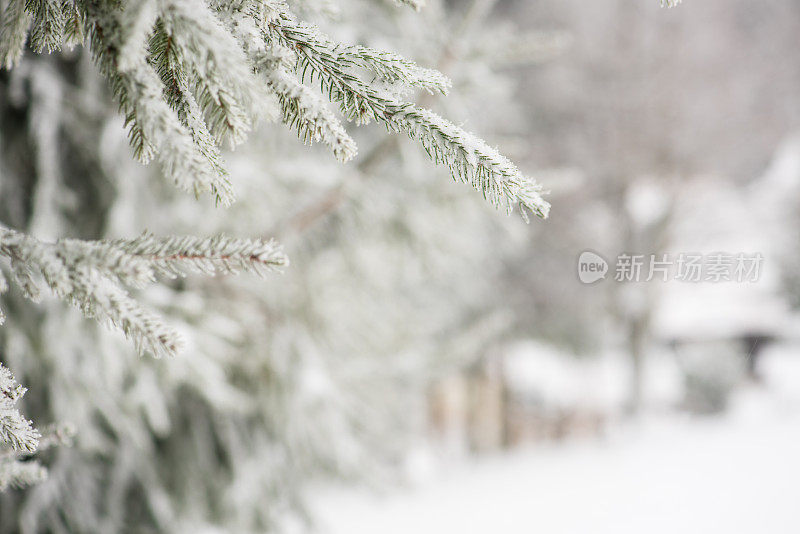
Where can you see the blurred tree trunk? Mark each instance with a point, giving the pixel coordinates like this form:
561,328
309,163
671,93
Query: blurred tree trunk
638,334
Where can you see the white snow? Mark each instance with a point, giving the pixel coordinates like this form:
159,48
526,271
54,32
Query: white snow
710,217
668,474
559,379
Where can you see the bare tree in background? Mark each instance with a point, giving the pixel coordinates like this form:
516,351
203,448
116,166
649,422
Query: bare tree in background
643,98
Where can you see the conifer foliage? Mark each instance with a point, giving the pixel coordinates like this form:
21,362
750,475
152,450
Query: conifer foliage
90,274
190,76
17,437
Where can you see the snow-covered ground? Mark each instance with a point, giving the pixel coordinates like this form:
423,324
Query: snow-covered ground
739,473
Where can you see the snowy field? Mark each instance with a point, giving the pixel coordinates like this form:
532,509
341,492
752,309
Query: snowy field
739,473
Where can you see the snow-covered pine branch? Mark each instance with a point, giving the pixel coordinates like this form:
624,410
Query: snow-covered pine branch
180,256
19,440
17,437
16,432
190,75
393,68
469,158
305,111
13,32
120,44
91,274
47,26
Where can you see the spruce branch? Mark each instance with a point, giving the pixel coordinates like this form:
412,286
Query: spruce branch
306,112
155,129
472,161
468,158
19,440
100,299
180,256
181,99
13,32
16,432
134,21
394,68
224,83
48,23
74,24
301,109
90,274
321,60
185,74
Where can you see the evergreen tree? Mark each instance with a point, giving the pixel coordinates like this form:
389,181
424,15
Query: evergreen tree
189,77
276,380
